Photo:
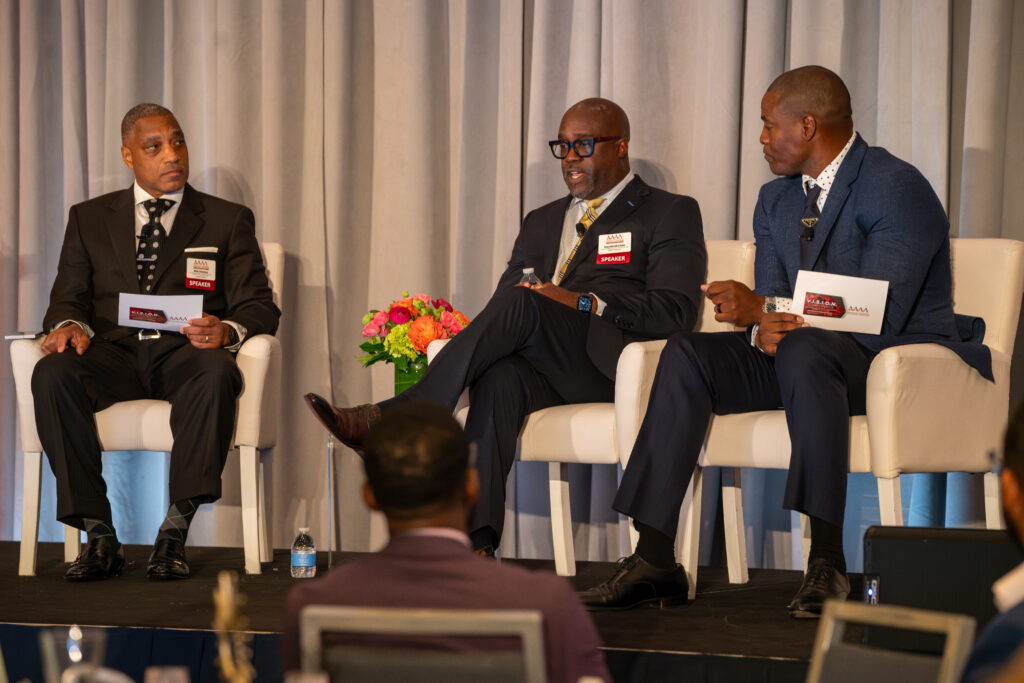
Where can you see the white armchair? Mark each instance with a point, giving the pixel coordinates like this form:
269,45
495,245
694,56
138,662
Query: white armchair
926,410
145,425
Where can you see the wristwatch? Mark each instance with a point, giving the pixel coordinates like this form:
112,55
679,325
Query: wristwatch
233,337
585,303
776,304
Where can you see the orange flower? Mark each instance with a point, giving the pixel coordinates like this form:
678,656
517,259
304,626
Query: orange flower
424,330
461,317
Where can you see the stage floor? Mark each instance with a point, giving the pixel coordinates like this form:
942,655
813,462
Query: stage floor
735,622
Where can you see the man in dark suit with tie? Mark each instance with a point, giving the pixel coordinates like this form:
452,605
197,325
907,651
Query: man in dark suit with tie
841,207
419,473
620,261
158,237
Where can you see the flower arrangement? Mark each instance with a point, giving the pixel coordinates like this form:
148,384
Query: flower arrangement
400,332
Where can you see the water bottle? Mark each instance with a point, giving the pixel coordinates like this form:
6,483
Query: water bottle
303,555
529,278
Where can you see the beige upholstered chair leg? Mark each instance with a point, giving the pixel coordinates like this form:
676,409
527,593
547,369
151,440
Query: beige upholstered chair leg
993,506
561,519
890,503
72,543
248,457
266,552
735,531
688,533
30,513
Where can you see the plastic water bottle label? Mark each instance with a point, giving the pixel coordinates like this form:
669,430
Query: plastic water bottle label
303,559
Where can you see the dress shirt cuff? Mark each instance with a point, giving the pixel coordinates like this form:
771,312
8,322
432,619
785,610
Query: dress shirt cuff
753,336
85,328
599,304
241,335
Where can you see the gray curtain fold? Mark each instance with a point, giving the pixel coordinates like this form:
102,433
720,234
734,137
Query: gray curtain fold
394,145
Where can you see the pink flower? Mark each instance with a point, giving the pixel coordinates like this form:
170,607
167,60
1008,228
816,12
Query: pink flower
372,329
400,314
441,303
380,317
422,297
383,331
451,323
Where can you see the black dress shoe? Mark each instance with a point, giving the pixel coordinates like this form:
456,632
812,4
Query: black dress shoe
349,425
823,580
636,582
168,560
102,558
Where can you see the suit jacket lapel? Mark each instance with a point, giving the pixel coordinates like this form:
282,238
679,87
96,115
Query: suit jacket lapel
628,201
120,225
186,224
837,195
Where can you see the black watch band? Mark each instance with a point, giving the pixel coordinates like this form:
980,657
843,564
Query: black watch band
232,335
585,303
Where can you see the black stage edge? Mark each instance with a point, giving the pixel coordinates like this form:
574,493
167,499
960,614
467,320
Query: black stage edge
729,633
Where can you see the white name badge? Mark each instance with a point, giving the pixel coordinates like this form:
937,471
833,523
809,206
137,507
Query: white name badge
614,247
200,273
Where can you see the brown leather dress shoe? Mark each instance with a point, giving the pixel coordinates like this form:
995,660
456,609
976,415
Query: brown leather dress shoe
822,580
637,582
349,425
102,558
168,560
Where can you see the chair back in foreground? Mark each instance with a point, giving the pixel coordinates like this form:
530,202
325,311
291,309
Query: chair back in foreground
382,664
837,660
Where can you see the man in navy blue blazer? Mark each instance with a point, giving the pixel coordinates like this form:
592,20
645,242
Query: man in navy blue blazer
1002,637
840,207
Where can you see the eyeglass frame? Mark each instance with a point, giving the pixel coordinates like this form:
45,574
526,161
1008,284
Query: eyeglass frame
572,145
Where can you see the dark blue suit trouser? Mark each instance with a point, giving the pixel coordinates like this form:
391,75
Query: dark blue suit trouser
524,352
818,376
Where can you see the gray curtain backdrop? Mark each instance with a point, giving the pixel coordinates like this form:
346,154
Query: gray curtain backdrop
394,145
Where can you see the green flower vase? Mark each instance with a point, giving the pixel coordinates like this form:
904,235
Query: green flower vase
406,378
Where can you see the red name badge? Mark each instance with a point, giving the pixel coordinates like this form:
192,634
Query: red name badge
614,248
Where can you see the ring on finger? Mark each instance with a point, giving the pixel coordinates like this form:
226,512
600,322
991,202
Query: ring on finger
206,339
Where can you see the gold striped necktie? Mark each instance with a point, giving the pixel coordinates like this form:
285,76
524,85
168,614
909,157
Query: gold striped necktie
589,216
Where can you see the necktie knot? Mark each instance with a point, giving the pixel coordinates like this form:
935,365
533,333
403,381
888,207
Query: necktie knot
590,213
156,207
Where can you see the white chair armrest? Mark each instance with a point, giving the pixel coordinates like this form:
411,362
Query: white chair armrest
634,376
928,411
25,353
434,347
259,360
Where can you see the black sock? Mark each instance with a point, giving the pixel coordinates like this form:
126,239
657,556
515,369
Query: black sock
827,542
655,547
179,517
97,528
484,537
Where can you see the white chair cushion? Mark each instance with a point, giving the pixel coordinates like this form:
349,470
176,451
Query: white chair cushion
143,425
580,432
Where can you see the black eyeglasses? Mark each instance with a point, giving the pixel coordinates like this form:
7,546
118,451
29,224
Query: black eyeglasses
583,146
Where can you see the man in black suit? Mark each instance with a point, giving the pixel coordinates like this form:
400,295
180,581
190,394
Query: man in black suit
159,236
841,207
620,261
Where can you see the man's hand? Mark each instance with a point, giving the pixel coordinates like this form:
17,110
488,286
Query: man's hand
734,302
207,332
775,326
562,296
67,337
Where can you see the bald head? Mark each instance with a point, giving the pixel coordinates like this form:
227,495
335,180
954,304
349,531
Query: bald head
607,114
815,91
607,160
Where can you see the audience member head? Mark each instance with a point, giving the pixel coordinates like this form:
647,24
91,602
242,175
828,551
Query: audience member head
153,146
594,174
1012,476
807,121
418,469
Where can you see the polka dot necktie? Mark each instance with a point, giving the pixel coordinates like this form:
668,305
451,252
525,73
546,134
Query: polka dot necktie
589,216
152,236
